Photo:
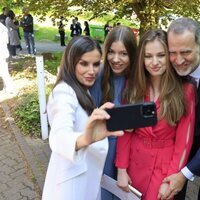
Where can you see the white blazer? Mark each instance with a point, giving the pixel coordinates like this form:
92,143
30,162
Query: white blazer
71,175
4,53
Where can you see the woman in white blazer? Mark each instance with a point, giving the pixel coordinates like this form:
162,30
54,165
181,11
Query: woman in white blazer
79,143
4,54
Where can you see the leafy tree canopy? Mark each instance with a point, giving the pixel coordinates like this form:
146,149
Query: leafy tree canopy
149,13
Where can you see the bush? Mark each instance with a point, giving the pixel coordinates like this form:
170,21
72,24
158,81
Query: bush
27,114
51,64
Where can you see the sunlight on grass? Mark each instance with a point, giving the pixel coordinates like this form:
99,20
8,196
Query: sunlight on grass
45,30
47,33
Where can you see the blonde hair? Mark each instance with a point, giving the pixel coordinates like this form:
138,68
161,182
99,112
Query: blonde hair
171,94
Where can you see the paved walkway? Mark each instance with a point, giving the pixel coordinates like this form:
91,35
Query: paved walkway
23,160
17,180
43,46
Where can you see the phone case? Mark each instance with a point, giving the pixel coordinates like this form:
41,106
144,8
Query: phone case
132,116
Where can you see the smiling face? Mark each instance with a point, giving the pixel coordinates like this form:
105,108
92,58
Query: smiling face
184,52
87,68
118,58
155,59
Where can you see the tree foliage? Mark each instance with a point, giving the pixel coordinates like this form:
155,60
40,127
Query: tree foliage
149,13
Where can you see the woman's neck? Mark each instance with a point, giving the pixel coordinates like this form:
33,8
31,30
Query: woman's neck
155,88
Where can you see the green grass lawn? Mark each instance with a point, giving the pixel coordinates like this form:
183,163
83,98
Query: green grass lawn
47,33
52,65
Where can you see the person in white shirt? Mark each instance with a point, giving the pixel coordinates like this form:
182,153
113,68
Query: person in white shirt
4,54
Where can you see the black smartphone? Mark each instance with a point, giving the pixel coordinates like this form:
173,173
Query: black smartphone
131,116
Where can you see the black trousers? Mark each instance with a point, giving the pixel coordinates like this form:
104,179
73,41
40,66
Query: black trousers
195,146
12,50
182,194
62,38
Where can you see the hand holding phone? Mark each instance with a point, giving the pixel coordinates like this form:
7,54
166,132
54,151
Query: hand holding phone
131,116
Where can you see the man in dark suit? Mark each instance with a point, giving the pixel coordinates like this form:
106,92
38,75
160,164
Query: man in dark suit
27,25
184,52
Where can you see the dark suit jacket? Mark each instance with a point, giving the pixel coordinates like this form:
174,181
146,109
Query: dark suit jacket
194,164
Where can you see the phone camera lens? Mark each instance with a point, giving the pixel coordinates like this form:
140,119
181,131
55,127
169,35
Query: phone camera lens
148,110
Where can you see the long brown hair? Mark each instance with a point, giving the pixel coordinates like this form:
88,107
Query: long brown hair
125,35
73,53
171,94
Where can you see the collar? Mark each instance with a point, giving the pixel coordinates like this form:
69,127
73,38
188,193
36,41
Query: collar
196,73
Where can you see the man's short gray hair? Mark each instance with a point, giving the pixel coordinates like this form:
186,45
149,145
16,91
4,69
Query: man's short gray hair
182,24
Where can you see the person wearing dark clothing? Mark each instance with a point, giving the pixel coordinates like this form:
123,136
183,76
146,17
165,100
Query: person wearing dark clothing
78,25
16,22
4,15
74,28
106,29
87,28
61,31
184,53
27,25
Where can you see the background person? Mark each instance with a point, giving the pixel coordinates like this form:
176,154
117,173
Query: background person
12,33
119,55
16,22
4,15
87,28
78,25
184,49
78,134
74,28
4,54
107,28
27,25
140,159
61,30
